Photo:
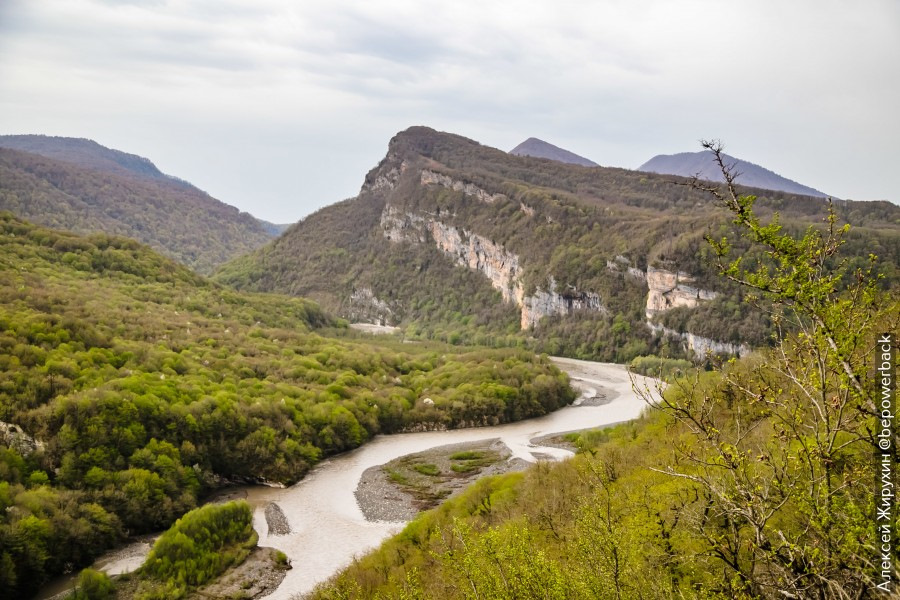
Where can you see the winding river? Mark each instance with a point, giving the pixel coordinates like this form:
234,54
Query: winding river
327,526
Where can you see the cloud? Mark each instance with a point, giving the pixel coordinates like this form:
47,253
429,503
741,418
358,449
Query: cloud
315,89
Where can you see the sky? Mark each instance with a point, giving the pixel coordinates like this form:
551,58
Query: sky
280,107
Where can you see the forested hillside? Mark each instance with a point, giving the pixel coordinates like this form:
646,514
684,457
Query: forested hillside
460,242
130,385
754,481
81,186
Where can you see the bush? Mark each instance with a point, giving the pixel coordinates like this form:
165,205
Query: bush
93,585
662,368
198,548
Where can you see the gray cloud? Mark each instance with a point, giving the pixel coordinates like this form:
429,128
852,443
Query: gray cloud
279,107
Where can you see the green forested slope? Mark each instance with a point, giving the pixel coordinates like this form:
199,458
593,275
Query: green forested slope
83,187
564,222
759,480
146,384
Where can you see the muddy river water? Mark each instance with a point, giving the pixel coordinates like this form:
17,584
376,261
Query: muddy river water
327,526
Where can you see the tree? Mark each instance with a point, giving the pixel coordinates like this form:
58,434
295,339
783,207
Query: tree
781,447
93,585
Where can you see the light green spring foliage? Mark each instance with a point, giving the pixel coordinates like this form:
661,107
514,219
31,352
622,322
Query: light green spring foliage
93,585
199,547
754,481
149,384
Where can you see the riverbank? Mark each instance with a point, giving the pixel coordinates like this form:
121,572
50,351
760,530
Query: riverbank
400,489
323,507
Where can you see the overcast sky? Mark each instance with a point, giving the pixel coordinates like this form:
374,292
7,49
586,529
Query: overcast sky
280,107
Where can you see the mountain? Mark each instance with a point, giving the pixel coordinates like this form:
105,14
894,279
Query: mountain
456,241
130,386
541,149
688,164
84,153
81,186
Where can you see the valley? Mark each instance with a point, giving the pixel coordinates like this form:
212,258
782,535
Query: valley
134,387
341,521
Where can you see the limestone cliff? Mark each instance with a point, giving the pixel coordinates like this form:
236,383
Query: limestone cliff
368,308
541,304
479,253
669,290
701,346
429,177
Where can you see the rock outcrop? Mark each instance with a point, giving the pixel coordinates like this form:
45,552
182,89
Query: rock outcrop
365,306
495,262
481,254
14,437
670,290
541,304
429,177
702,346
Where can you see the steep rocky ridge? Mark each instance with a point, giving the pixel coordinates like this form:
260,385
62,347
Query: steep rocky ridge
455,240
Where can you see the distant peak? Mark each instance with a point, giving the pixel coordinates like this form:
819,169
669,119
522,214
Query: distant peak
537,148
701,164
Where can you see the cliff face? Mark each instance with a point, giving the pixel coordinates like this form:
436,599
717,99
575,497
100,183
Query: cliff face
459,240
670,290
429,177
541,304
479,253
366,307
701,346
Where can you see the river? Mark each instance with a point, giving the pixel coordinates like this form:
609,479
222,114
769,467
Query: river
327,526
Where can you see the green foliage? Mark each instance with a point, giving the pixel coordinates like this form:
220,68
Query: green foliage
466,455
661,368
93,585
199,547
751,481
149,385
427,469
79,191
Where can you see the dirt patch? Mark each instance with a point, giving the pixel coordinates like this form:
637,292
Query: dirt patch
400,489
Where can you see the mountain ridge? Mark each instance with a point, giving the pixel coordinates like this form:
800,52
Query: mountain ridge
85,152
702,164
538,148
458,241
79,185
